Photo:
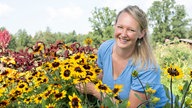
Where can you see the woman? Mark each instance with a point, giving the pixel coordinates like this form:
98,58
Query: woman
130,51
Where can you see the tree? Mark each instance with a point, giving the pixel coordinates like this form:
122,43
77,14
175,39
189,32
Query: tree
12,45
23,39
168,20
102,22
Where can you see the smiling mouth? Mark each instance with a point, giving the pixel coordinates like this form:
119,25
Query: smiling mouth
124,39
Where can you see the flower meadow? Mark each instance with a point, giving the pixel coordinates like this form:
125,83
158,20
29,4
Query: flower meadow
45,77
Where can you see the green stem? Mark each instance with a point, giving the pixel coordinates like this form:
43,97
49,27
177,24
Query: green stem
143,88
171,93
145,102
185,94
85,92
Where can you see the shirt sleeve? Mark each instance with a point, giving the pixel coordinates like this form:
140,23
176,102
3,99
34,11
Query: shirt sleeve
102,52
149,77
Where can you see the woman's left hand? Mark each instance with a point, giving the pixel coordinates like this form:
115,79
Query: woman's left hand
87,88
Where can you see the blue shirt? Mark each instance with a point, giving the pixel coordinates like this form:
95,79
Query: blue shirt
149,76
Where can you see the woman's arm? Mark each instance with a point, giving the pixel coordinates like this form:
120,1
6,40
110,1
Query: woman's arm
135,101
89,88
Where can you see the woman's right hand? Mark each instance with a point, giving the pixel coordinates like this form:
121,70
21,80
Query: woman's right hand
88,88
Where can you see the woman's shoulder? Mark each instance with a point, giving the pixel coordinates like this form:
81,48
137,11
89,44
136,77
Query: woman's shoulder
107,43
105,48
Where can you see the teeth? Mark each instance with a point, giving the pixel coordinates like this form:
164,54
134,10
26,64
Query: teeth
124,39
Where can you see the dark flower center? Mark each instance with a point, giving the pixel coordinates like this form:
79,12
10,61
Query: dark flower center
67,73
102,87
173,72
78,69
75,102
21,86
55,64
115,90
58,95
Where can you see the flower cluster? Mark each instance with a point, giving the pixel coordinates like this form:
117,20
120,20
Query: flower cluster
42,76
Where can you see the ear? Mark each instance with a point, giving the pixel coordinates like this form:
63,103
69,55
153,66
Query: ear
143,32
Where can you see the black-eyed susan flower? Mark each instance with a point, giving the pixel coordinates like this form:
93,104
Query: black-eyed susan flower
8,60
38,99
88,41
78,71
117,89
38,48
190,74
46,93
174,71
4,103
81,80
75,101
27,100
100,87
55,64
92,57
91,75
77,58
59,95
97,70
12,99
16,92
90,71
65,73
51,105
21,86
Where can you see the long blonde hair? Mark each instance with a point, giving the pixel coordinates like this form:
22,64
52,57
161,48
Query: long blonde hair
143,52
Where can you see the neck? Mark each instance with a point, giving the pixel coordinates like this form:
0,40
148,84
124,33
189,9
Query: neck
122,53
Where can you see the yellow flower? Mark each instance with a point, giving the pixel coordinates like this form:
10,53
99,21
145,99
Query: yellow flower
55,64
77,58
117,89
150,90
46,93
59,95
50,106
88,41
4,103
8,60
38,99
27,100
38,48
100,87
92,57
22,86
190,73
128,104
78,71
180,87
174,71
155,99
66,73
75,102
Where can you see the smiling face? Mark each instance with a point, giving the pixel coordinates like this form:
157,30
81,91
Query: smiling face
127,31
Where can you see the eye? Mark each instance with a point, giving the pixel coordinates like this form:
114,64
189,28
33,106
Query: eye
120,27
131,30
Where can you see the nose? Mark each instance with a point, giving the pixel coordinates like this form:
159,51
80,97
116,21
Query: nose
124,32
